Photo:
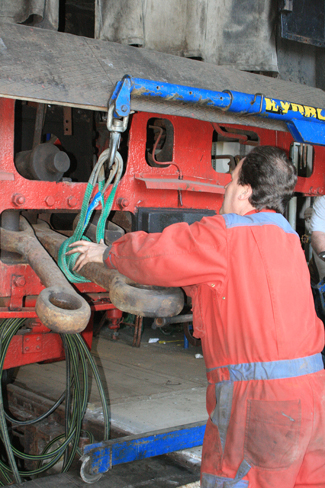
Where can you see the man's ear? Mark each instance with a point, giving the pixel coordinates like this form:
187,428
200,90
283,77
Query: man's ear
246,192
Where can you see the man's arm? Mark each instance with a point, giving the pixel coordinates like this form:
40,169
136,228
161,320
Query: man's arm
317,227
181,255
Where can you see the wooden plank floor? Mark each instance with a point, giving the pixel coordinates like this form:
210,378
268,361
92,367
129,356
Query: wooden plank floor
128,374
155,386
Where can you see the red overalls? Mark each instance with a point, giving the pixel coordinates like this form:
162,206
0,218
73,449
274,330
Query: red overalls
254,312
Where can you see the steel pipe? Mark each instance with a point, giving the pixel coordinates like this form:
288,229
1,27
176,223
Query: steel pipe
179,319
59,306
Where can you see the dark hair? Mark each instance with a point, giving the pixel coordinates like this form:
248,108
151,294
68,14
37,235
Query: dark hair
271,176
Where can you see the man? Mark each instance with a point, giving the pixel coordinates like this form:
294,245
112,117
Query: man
317,228
254,312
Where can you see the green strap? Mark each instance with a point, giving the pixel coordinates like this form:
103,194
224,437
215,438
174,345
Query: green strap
100,231
66,263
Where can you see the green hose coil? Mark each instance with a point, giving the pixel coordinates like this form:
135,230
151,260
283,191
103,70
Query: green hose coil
78,359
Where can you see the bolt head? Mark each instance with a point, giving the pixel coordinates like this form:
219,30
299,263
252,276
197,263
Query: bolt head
123,202
19,281
49,201
18,199
72,202
124,108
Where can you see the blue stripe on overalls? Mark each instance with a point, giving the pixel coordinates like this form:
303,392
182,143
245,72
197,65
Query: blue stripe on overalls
272,370
258,219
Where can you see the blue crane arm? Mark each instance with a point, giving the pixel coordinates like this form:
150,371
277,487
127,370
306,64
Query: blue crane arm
306,124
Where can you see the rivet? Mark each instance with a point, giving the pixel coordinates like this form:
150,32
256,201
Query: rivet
49,201
213,285
26,348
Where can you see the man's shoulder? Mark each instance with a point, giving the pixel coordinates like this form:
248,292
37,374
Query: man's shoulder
319,204
257,220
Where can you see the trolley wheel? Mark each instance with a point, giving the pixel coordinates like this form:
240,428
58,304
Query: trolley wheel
167,330
188,331
85,474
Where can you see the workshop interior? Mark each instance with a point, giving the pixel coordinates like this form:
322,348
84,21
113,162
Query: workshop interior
108,126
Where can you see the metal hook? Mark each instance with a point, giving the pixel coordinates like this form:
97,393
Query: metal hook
114,124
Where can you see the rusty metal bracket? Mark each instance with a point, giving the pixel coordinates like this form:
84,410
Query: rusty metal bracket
67,121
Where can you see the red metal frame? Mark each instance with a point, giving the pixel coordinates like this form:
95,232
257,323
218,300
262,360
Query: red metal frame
201,186
19,285
190,175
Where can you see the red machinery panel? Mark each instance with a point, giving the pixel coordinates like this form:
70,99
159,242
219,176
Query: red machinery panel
188,181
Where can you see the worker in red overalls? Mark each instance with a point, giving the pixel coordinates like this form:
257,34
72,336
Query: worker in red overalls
253,310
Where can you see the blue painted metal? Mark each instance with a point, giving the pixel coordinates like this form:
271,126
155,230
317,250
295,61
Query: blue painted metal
305,123
107,454
121,96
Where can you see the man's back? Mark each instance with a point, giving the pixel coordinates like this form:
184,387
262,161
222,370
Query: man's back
264,311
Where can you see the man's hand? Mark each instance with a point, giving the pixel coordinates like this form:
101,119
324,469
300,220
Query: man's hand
90,252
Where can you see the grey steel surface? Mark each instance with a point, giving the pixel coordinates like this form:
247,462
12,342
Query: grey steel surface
53,67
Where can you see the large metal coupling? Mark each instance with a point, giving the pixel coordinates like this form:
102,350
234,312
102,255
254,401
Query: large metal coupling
125,294
61,310
59,306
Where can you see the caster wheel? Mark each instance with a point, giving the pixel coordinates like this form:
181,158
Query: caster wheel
85,474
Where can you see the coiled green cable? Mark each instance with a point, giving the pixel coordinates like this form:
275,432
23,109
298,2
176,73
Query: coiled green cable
78,358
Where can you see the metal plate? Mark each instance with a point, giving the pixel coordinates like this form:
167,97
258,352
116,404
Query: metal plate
305,22
54,67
